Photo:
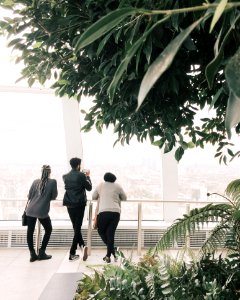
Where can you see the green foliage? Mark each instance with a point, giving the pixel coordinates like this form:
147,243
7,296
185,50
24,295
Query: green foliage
209,278
162,63
103,26
163,278
176,51
233,79
225,234
157,278
146,280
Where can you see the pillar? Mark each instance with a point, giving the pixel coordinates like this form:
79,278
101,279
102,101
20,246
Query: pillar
169,186
71,121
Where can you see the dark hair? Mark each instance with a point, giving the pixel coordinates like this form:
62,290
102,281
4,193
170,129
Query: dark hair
109,177
46,170
74,162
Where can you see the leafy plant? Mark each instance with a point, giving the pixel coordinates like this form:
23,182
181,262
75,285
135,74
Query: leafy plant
209,278
158,278
150,65
226,215
147,279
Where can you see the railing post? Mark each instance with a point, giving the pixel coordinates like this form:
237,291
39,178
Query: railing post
139,241
187,236
38,235
89,232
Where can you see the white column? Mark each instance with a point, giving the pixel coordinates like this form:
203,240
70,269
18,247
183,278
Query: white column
170,185
71,121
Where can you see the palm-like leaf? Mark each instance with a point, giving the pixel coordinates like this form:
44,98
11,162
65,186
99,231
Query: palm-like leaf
216,238
226,232
196,218
233,192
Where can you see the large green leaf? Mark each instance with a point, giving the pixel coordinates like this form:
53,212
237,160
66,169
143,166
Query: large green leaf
129,55
233,191
218,12
232,113
215,98
104,25
213,66
179,153
162,63
232,74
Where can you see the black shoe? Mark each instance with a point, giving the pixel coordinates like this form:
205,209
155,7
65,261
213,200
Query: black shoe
107,259
33,256
42,255
73,257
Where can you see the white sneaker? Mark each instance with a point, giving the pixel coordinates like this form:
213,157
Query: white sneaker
85,253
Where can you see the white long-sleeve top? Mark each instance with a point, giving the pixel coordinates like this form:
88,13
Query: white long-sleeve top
110,195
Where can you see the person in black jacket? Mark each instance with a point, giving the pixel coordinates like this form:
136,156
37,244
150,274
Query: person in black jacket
76,184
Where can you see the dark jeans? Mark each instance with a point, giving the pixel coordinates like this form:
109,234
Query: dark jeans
107,223
47,225
76,215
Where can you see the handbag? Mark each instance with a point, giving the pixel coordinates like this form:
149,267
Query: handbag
24,216
24,219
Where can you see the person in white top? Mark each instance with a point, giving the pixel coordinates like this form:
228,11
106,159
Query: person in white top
109,195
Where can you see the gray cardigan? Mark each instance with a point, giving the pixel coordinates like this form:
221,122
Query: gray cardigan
110,196
39,205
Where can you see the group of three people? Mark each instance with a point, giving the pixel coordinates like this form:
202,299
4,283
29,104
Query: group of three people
108,194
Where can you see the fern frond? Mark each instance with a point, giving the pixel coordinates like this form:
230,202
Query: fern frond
216,238
165,278
233,191
150,282
196,218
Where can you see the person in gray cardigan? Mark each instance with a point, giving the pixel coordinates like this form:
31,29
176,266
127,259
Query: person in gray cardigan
109,195
42,191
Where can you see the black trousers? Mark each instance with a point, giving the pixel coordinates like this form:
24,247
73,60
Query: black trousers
76,215
47,225
107,223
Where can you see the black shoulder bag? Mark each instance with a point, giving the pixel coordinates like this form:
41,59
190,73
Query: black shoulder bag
24,216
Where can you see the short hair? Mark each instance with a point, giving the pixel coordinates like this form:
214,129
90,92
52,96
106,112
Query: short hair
74,162
109,177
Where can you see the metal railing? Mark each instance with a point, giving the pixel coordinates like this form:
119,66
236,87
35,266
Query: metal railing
140,219
140,216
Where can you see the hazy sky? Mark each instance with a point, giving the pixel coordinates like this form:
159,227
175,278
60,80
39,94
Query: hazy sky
28,122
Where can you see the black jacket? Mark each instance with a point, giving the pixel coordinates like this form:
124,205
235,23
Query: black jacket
76,184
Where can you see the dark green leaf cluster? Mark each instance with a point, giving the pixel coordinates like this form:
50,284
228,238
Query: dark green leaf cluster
128,281
210,278
153,278
105,48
